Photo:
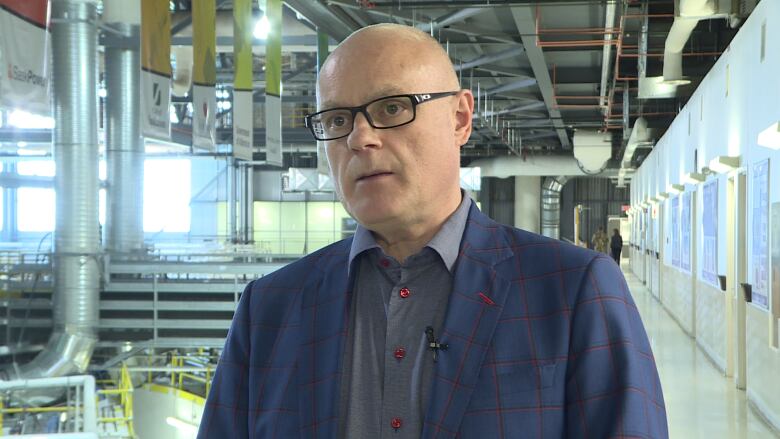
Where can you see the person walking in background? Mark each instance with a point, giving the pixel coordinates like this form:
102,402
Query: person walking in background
616,245
600,240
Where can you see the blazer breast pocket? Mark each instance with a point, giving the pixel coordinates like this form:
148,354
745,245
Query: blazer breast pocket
518,385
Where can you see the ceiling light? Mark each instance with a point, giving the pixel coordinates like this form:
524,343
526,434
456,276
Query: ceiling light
770,137
262,28
694,178
675,188
723,164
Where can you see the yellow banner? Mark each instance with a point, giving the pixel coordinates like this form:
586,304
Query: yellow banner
204,42
242,44
156,36
273,51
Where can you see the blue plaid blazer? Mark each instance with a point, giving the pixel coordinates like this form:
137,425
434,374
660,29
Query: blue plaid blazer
544,341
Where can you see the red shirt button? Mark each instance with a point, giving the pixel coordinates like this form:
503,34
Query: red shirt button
404,293
385,263
396,423
400,353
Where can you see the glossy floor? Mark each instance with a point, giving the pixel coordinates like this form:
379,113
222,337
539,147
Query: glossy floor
700,401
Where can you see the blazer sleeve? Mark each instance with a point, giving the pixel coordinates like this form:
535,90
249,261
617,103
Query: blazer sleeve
612,384
226,413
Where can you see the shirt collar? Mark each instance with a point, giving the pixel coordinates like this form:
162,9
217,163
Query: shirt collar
446,242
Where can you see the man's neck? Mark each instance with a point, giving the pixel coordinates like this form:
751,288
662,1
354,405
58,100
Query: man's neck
400,243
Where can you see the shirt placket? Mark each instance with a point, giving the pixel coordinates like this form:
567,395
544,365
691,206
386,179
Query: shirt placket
397,355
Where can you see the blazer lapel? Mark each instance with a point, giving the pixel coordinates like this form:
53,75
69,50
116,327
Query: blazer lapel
324,315
475,304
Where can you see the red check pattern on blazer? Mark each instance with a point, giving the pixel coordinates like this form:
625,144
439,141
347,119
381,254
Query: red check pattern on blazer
544,340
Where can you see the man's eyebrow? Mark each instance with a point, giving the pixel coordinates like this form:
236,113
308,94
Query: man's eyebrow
382,92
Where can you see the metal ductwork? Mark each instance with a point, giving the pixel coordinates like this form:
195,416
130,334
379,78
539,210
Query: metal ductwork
76,243
688,13
551,206
124,146
540,166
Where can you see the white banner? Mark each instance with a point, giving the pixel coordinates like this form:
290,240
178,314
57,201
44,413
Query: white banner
243,135
273,130
204,108
155,105
24,82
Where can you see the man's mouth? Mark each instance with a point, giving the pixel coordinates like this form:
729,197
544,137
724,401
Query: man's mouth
371,175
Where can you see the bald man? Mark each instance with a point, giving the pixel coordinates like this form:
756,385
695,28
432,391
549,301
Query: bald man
433,320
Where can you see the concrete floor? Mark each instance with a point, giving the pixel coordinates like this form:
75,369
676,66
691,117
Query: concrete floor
700,401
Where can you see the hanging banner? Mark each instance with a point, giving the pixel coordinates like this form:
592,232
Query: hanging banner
243,105
322,55
273,84
155,69
204,74
760,231
24,53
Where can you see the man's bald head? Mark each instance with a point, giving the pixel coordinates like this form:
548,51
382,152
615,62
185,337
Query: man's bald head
396,46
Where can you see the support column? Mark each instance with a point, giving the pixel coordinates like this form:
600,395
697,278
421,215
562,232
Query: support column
124,145
528,203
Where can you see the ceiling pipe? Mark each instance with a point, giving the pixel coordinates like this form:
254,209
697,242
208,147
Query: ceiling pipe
533,166
606,57
487,59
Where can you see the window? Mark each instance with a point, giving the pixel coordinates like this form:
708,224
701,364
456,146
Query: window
167,192
35,209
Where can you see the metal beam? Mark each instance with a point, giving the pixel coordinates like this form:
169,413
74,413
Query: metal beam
517,108
486,59
525,20
322,16
448,19
514,85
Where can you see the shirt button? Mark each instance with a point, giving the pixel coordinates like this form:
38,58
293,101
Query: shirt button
404,293
384,262
400,353
396,423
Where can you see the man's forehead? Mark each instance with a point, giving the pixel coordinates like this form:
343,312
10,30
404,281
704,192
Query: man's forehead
343,95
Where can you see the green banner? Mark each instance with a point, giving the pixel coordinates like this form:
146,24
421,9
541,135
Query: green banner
204,42
242,44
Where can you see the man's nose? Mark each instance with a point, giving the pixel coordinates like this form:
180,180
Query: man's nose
363,135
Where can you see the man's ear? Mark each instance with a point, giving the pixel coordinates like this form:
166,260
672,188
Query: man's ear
463,115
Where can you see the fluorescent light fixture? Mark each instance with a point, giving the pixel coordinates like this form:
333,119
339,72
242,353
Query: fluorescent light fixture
675,188
262,28
182,425
723,164
770,137
662,196
694,178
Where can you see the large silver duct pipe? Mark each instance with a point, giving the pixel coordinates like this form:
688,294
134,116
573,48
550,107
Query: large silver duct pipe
124,146
76,265
551,206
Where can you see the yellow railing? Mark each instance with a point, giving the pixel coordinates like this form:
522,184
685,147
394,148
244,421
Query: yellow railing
177,378
4,411
125,391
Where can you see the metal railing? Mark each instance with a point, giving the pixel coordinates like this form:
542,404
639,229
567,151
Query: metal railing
124,389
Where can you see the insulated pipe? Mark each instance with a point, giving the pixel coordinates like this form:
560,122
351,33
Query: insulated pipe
76,243
551,206
124,146
689,12
606,56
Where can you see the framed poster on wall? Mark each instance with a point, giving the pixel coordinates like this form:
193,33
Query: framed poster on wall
685,232
759,258
674,212
709,238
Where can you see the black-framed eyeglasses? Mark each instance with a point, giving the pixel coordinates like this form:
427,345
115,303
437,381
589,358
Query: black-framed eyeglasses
385,112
